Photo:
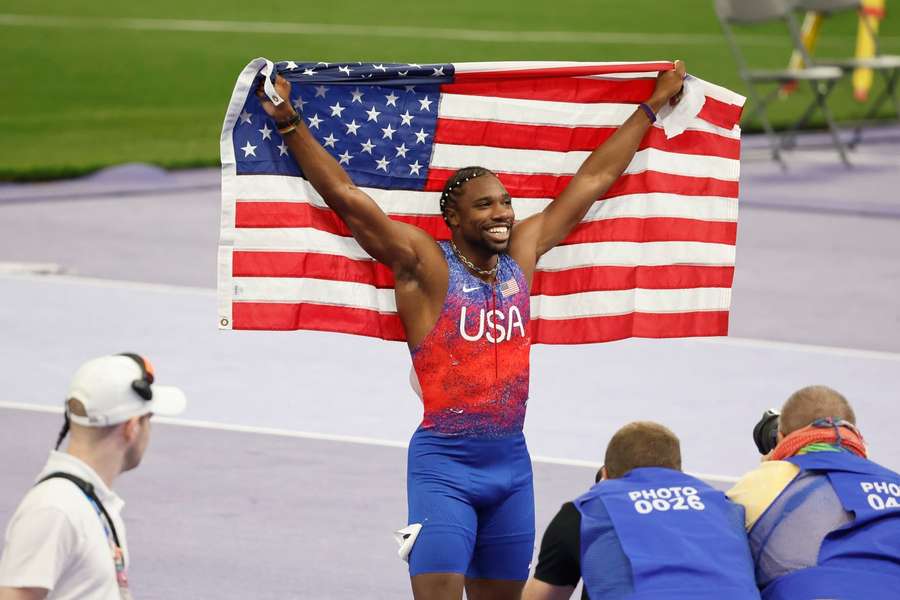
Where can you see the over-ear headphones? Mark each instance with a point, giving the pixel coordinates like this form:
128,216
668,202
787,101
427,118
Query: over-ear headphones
142,386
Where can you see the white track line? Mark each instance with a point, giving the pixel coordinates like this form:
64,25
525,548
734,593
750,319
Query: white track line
363,31
347,439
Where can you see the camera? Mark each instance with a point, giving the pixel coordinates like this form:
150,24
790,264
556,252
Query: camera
765,432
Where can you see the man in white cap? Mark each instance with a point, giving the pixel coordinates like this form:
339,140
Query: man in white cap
66,539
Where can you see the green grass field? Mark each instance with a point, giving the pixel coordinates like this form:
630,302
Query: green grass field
91,83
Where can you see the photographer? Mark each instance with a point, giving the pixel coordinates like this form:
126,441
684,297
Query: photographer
645,530
823,520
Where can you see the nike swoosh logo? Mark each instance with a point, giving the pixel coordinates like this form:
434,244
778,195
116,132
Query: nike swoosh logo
472,289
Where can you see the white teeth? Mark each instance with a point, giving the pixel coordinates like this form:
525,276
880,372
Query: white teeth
498,229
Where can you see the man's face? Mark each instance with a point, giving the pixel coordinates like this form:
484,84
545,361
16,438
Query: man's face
483,214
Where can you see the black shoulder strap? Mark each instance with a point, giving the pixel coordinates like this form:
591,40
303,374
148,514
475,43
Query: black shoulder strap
88,490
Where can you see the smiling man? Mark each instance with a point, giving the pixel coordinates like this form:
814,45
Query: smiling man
464,305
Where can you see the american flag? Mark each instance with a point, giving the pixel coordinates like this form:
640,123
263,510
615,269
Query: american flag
653,258
509,288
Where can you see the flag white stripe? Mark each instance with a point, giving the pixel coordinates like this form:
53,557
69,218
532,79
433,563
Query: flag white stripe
619,302
587,304
630,254
278,188
547,112
306,239
508,160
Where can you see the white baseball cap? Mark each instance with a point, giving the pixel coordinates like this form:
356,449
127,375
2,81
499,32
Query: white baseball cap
118,387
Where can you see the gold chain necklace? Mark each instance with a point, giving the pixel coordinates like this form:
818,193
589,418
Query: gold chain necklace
489,273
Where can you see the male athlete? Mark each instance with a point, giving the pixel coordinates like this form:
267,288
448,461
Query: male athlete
464,305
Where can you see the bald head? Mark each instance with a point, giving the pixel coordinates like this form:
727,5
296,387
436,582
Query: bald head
811,403
642,444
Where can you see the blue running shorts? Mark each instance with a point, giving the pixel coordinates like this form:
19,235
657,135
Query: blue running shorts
475,500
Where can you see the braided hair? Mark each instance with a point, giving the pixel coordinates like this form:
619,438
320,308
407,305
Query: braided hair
453,187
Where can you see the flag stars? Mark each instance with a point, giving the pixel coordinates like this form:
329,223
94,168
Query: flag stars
352,126
414,168
438,72
291,65
391,99
367,146
282,149
337,109
345,70
380,68
266,132
406,119
383,164
357,96
308,72
299,103
411,88
344,158
329,141
314,121
403,73
402,150
246,117
425,104
420,136
388,132
249,150
373,114
320,91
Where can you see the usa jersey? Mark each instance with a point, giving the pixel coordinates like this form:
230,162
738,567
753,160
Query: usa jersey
473,367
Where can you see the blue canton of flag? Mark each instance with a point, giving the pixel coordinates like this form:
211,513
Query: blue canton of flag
377,120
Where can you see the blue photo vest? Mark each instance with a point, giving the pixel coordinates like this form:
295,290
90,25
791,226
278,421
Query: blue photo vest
862,558
683,538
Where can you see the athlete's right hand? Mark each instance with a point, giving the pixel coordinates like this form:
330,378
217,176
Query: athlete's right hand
283,111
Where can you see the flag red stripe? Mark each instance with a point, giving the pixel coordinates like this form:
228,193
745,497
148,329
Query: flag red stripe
623,229
630,91
565,139
256,263
300,214
281,317
651,325
317,317
665,277
721,113
570,71
522,185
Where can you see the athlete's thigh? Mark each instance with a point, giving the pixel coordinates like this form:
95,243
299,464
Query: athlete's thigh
438,501
505,543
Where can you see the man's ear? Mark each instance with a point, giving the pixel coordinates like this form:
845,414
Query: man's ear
130,429
604,474
452,217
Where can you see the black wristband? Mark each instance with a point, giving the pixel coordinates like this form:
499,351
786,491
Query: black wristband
287,125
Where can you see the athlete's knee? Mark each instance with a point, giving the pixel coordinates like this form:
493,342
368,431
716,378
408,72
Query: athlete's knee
494,589
438,586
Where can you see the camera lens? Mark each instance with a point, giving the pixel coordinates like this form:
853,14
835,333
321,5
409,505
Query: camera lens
765,432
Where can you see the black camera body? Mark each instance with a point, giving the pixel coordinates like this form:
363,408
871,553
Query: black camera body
765,432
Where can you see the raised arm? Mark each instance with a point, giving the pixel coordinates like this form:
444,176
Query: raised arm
541,232
397,245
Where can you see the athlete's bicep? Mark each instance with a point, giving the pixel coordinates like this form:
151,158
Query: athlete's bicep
394,243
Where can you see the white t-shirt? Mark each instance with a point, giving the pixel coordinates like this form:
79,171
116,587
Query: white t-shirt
56,539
